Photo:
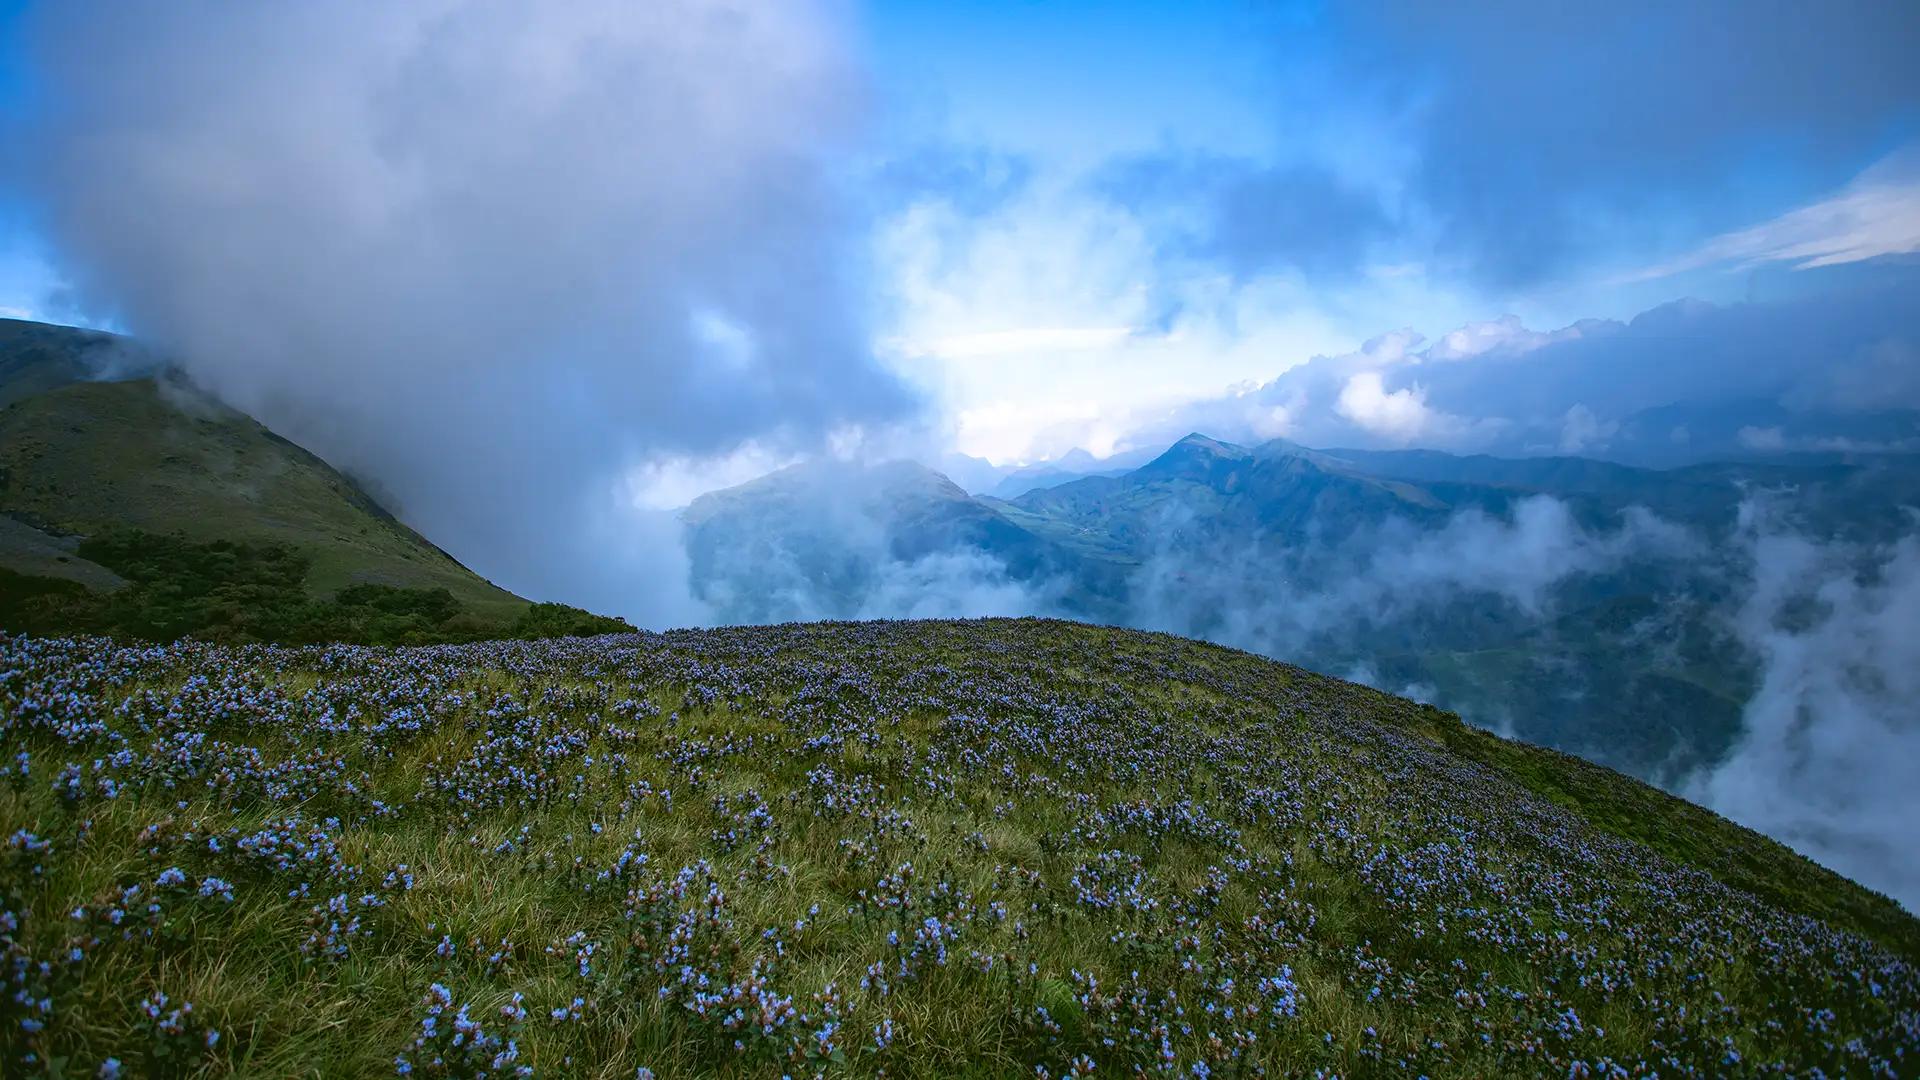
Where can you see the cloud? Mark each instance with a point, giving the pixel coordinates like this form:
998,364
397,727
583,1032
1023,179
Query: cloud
1505,335
950,585
1022,340
1877,214
1831,743
1398,416
1320,595
1043,323
1840,363
1527,169
844,539
493,254
1582,430
971,180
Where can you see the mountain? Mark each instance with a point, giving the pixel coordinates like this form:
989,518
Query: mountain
1073,465
817,540
37,357
1859,495
971,473
100,441
1581,604
1758,428
1262,546
1202,487
913,849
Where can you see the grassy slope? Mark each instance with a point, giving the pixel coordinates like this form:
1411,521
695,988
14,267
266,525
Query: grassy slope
89,456
1680,830
1110,831
36,357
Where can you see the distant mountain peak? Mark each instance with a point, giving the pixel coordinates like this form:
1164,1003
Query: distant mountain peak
895,478
1193,456
1207,442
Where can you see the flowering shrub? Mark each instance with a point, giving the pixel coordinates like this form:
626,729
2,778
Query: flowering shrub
455,1044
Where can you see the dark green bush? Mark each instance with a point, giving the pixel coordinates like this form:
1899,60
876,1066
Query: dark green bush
560,620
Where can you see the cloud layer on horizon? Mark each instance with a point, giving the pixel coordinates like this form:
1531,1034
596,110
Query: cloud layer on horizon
1685,381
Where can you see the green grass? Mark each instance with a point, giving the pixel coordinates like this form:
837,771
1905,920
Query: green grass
1120,837
1684,832
172,587
90,457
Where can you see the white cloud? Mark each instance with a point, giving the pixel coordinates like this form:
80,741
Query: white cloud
1877,214
1400,415
1830,748
671,482
1281,601
1506,333
1048,322
490,255
1581,430
1023,340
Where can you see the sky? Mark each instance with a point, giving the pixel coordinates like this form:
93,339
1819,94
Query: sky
1017,228
1141,209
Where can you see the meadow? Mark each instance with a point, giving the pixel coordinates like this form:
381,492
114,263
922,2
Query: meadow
984,848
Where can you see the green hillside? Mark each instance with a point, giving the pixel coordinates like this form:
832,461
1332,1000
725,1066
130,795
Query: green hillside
91,456
917,849
161,481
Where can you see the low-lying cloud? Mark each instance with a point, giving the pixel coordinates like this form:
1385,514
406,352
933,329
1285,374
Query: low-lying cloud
1290,596
490,254
1831,740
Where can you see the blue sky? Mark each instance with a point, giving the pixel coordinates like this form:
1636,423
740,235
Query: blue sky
25,276
1205,194
1071,217
1072,83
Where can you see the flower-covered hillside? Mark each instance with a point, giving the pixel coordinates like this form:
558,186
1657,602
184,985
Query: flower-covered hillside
911,849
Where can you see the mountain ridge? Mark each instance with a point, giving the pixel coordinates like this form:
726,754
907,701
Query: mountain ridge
1621,668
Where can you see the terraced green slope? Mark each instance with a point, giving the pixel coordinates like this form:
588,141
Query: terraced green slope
994,848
